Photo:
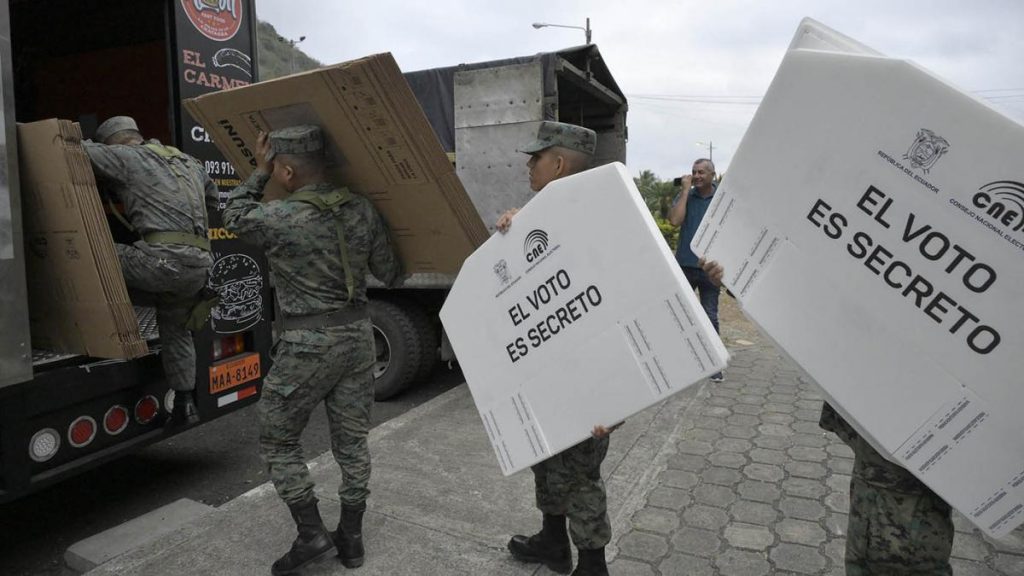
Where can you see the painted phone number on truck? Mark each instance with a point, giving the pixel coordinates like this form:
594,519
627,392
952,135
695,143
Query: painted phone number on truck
219,168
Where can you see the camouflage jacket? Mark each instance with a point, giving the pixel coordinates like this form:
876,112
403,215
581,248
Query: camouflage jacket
301,242
870,466
155,197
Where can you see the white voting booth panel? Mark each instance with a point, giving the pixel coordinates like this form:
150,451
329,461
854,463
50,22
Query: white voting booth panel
579,315
871,224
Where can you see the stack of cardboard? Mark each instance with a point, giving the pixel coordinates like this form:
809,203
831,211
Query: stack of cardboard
380,145
78,300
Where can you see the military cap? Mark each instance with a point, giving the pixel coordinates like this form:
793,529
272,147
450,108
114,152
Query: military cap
565,135
303,139
113,125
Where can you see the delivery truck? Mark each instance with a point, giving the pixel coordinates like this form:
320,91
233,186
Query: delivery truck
61,413
481,113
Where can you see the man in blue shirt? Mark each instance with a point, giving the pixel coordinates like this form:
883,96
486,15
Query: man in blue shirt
698,188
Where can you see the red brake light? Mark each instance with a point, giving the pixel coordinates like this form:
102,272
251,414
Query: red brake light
228,346
115,420
146,409
82,431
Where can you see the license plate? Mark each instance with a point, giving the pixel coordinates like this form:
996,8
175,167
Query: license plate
232,372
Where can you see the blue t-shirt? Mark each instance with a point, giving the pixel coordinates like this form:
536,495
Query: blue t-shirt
695,209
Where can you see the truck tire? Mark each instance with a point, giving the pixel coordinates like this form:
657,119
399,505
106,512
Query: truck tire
429,339
398,349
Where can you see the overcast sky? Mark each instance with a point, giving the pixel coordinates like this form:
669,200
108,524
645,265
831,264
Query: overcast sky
692,71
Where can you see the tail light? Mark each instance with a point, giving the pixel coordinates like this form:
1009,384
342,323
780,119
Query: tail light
115,420
146,409
82,431
169,401
228,346
44,445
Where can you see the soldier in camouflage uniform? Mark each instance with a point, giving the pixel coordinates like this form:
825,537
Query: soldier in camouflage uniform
568,483
321,240
897,525
164,193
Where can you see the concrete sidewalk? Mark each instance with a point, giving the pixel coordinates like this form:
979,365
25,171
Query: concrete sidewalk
439,503
730,479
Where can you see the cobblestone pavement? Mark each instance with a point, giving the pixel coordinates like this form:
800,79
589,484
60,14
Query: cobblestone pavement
755,487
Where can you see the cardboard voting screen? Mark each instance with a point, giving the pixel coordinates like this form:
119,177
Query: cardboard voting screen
79,301
884,256
579,315
379,144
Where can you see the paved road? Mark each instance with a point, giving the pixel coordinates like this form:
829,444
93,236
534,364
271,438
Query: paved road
210,464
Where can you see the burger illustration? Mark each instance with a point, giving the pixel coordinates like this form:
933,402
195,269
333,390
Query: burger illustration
237,279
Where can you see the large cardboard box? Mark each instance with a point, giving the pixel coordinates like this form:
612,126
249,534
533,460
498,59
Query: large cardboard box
78,300
871,223
379,143
579,315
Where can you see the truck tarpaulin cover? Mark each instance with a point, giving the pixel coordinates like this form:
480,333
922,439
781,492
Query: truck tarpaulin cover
379,145
565,322
887,260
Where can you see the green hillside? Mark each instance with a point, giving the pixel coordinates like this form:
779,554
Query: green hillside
277,56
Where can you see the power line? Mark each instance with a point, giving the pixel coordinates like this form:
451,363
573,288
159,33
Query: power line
998,90
729,100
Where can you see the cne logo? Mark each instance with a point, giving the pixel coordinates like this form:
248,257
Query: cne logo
535,245
216,19
1003,201
501,271
926,150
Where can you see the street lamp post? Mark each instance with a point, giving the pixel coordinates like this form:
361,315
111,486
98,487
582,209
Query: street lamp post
539,25
292,43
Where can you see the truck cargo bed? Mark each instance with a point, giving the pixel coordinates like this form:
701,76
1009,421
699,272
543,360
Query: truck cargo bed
146,315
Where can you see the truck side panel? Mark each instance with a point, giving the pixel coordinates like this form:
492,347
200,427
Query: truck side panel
15,348
496,110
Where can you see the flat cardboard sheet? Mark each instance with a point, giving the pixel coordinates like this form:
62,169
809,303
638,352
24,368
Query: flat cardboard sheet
78,301
884,255
579,315
380,145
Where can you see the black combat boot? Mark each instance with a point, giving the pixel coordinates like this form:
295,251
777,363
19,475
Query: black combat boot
349,537
549,547
591,563
183,411
312,542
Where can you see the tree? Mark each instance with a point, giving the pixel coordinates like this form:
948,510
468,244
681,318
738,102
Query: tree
278,56
658,194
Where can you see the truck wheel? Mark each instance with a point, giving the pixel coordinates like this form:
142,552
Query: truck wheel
398,349
428,337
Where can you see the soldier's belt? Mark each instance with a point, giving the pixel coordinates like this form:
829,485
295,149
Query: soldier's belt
313,321
177,238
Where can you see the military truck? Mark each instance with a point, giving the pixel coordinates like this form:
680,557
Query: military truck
63,413
481,113
86,60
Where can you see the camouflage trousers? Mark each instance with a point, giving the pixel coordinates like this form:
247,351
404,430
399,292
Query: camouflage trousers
897,525
570,484
172,287
302,376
